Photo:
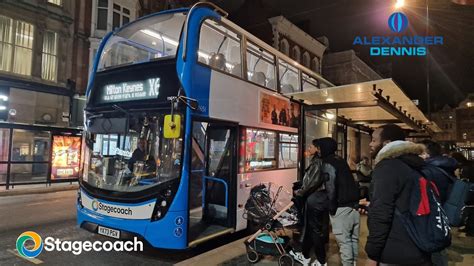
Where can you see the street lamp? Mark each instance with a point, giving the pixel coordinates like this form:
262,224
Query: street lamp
399,4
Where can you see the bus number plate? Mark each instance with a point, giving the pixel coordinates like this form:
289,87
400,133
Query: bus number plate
109,232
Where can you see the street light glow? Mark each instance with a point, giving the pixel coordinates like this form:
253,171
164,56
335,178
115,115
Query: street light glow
400,3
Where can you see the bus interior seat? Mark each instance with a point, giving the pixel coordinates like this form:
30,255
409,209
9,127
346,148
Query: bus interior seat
236,61
237,70
271,84
259,78
217,61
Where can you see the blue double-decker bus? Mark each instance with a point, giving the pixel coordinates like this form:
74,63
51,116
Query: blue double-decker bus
185,114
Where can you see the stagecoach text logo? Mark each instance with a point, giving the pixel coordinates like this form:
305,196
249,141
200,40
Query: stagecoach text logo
136,90
398,45
29,245
99,206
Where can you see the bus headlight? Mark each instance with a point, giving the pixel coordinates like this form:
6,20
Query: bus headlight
164,200
79,199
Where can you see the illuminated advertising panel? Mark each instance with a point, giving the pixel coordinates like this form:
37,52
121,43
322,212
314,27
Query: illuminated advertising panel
66,157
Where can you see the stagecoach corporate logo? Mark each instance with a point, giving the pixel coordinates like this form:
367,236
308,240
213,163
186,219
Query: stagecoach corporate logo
30,250
95,205
398,22
22,241
398,45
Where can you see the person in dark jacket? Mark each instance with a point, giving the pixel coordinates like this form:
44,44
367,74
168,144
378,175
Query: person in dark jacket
343,209
316,191
433,157
443,180
396,163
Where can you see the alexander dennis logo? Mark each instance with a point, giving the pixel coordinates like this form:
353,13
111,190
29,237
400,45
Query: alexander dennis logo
29,245
398,45
24,239
398,22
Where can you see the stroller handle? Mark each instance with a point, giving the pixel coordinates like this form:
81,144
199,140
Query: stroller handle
274,218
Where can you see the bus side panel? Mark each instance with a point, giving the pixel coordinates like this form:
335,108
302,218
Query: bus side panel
234,99
284,177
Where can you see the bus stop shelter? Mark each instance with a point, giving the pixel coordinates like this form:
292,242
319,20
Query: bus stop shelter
370,103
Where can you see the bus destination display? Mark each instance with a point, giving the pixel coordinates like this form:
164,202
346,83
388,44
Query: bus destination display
130,91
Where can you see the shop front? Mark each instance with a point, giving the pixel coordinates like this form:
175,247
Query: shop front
36,143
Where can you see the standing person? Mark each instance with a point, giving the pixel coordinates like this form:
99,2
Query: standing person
345,217
433,156
396,164
316,192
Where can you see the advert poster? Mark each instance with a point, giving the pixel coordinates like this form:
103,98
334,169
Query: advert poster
279,111
66,157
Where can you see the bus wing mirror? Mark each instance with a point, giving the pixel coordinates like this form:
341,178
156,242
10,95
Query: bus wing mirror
172,126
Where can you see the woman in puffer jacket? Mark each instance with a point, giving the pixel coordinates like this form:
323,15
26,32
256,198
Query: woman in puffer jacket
314,193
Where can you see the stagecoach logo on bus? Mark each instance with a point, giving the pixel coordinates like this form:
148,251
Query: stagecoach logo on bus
96,206
398,45
137,211
129,91
27,250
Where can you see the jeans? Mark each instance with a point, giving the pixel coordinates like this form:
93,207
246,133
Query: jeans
345,227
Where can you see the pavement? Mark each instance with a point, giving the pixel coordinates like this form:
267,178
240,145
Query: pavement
38,189
461,252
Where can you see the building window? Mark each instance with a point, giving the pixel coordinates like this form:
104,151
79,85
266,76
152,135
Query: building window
56,2
306,60
102,14
50,59
120,17
16,50
315,65
296,54
285,47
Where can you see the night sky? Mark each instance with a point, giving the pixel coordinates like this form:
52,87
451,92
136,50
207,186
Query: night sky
451,65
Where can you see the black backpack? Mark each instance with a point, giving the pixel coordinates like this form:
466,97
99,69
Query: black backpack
426,221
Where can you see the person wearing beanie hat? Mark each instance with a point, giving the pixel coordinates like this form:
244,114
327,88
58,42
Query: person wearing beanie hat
343,209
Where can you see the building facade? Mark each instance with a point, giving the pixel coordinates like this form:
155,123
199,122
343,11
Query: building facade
465,121
36,88
447,121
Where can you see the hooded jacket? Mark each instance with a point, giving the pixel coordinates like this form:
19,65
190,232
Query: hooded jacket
337,169
396,164
442,181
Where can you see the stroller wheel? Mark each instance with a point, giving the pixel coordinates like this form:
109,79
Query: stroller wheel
286,260
252,255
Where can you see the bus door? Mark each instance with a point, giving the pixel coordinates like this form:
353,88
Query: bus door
213,181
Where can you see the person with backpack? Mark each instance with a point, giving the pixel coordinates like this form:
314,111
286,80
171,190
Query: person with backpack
317,193
345,218
442,174
396,178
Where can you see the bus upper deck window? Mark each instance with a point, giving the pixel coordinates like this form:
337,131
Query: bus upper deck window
143,40
288,78
219,48
260,66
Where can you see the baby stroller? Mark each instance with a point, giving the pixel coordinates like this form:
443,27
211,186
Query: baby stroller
271,238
